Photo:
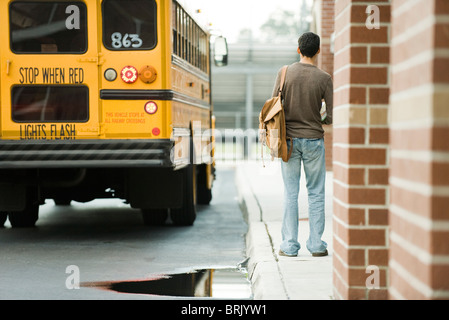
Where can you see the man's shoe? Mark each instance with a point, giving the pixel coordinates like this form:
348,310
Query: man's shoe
320,254
283,254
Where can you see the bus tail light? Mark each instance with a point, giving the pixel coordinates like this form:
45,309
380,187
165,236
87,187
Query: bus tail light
151,107
129,74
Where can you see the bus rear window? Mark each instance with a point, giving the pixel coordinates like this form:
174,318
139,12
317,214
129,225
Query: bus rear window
50,104
48,27
129,24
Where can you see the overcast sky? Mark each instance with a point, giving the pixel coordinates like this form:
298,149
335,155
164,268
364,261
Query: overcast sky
231,16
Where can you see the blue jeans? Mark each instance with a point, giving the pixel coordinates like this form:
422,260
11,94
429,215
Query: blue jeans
311,153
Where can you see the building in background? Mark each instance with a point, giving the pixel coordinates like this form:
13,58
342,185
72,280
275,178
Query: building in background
241,89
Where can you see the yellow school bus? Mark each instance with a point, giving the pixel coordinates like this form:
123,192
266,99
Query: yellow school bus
105,99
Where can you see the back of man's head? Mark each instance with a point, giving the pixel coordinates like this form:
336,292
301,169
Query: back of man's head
309,44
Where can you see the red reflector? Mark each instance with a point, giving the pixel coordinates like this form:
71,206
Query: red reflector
156,131
129,74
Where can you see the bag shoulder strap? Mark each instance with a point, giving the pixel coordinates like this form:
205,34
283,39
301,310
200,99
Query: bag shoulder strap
283,76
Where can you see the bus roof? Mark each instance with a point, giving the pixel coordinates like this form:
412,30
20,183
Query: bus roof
191,10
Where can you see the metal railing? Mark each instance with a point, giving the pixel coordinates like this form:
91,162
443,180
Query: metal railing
234,120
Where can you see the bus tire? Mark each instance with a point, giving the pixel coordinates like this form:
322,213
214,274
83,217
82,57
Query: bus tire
3,217
62,202
154,217
186,215
204,194
28,217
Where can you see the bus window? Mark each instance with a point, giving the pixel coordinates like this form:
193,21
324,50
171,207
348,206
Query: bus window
50,103
129,24
189,40
48,27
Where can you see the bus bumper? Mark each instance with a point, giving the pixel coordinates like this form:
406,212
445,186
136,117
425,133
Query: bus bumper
36,154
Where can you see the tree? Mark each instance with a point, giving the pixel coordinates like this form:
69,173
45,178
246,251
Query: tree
281,26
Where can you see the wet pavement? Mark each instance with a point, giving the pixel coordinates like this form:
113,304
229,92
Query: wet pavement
101,250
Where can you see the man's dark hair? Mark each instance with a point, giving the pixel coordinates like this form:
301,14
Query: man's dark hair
309,44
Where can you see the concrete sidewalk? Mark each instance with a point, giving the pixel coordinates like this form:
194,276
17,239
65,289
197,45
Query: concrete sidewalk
281,278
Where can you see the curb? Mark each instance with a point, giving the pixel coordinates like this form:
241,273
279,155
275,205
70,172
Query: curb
263,268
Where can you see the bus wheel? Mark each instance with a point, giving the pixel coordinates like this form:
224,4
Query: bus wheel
26,218
3,216
186,215
204,194
154,217
62,202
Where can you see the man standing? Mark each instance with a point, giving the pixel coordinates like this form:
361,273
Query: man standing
305,88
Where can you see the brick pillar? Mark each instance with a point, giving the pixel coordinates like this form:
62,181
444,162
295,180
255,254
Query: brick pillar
326,61
419,176
361,151
326,58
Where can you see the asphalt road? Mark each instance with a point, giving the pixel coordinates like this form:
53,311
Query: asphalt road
105,241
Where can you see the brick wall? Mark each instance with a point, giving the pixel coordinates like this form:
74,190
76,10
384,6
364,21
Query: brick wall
326,62
361,150
326,58
419,177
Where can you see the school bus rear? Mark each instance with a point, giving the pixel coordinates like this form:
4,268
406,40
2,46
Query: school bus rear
86,109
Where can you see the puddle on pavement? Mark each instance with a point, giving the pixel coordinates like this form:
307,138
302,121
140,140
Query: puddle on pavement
210,283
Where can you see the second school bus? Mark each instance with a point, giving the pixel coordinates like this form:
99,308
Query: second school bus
105,99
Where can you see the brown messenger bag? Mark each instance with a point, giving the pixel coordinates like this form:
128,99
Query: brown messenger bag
272,129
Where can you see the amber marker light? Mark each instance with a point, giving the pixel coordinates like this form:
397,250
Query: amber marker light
151,107
148,74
